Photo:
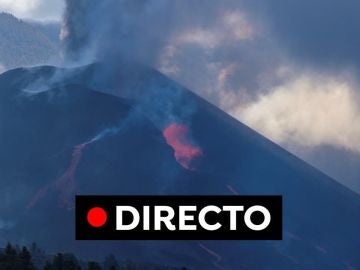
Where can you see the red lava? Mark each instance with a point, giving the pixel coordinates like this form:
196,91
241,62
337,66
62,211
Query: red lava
65,184
177,136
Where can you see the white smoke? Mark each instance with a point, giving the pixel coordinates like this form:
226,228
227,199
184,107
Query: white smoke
206,56
231,26
236,64
309,111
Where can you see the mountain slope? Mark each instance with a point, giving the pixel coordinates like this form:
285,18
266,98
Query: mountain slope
60,137
25,44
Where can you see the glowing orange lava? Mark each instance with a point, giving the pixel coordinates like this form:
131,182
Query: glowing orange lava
177,136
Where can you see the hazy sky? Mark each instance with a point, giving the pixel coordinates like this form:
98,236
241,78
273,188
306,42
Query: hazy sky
34,9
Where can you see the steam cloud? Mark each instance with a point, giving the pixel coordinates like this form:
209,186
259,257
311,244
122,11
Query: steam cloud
309,111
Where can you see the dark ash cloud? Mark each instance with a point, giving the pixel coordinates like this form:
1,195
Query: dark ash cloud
323,33
108,29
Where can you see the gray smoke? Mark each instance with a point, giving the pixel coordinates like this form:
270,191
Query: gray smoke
237,54
136,29
104,30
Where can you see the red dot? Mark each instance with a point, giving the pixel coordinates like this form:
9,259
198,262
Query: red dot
97,217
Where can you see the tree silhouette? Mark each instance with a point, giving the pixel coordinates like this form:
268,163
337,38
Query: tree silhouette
94,266
110,263
48,266
11,259
63,261
25,259
21,258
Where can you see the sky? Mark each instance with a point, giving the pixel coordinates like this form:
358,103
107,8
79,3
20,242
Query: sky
288,69
34,9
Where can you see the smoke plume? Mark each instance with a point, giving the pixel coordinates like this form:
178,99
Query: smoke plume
238,55
308,111
106,30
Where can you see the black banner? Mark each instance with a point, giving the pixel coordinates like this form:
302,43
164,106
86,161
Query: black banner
178,217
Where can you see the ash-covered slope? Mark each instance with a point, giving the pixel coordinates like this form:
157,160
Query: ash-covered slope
127,129
27,44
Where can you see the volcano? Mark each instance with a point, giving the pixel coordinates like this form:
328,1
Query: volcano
128,129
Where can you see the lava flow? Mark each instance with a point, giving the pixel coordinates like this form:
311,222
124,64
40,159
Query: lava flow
177,136
66,183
